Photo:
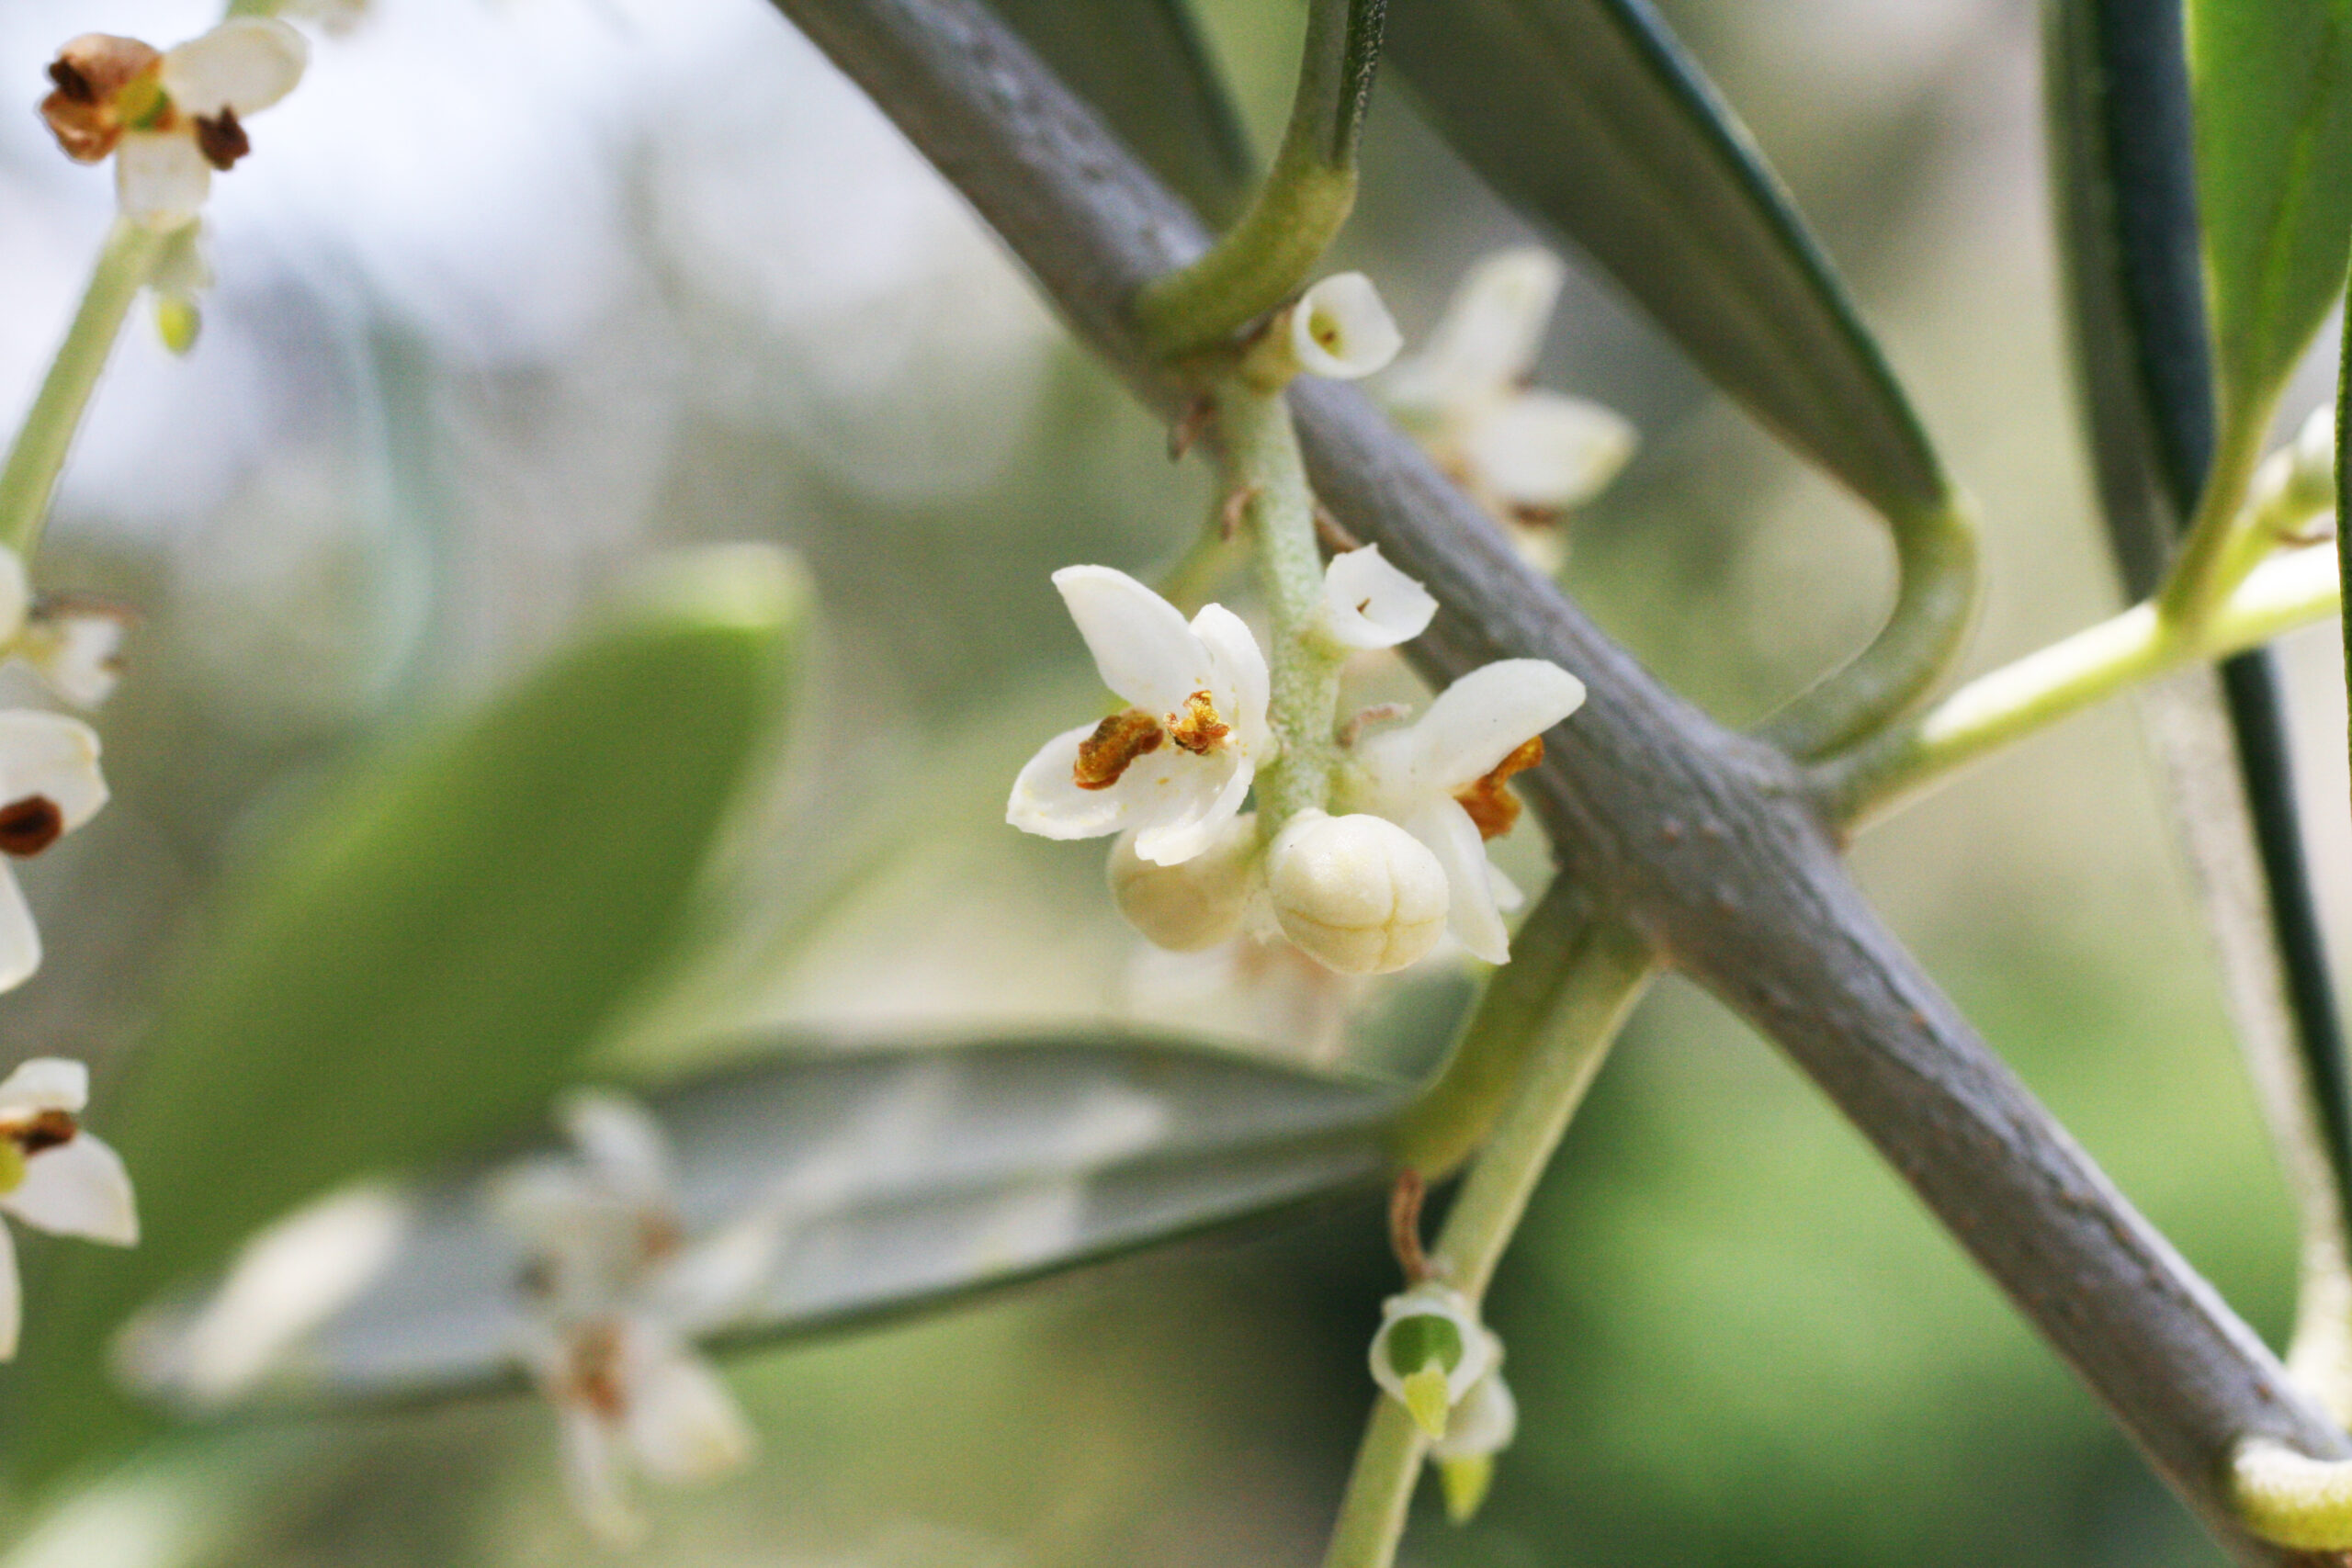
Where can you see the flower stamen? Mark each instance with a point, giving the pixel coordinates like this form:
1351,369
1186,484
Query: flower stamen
1197,729
1104,756
221,140
1487,800
29,826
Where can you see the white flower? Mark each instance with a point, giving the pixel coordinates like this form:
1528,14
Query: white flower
1369,604
615,1290
53,1176
1358,893
1259,987
1195,905
170,119
1523,454
50,784
1175,765
72,644
1340,329
1430,1351
1441,779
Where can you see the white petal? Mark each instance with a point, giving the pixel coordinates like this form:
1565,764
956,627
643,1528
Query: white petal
715,1277
1238,679
19,938
1340,329
1473,725
1180,810
1470,912
623,1146
683,1423
46,1083
15,595
1493,328
12,1297
161,180
78,1188
1508,897
1546,452
246,64
592,1474
78,653
1141,646
54,757
1048,802
1484,1423
1370,603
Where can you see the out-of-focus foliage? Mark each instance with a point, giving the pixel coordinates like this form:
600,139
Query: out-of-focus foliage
423,959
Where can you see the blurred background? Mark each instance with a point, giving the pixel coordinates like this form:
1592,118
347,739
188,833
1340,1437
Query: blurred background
515,295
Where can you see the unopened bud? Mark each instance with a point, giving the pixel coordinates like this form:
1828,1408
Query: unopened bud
1431,1350
1482,1426
1340,329
1357,893
1195,905
2311,485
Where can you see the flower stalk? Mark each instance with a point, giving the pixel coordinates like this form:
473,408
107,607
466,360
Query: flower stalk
29,480
1270,253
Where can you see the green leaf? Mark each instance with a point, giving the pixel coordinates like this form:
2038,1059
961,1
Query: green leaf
1588,115
899,1179
1144,64
419,961
2273,86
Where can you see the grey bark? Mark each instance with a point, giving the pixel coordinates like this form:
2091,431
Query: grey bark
1709,842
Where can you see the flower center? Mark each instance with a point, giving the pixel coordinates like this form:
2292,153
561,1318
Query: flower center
1117,742
593,1378
221,139
29,826
1197,729
20,1141
1491,805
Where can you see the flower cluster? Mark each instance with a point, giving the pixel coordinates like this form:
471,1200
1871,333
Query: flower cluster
1366,884
1435,1358
1524,455
614,1290
54,1176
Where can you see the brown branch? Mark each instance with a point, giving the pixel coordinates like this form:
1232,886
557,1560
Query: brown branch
1706,842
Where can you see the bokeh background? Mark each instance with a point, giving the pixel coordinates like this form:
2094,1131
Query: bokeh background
515,295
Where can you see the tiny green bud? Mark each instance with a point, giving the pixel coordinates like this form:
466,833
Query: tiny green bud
1465,1482
1425,1397
177,322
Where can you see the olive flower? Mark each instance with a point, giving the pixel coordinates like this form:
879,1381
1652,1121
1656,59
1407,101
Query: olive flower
616,1288
1523,454
71,643
1442,780
1176,763
169,119
53,1176
50,784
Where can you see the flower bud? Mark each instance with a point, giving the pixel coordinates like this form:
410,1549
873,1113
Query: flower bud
1358,893
1196,904
2311,485
1481,1427
1431,1350
1340,329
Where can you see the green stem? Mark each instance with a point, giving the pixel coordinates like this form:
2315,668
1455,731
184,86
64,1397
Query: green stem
1260,451
1612,967
38,455
2070,675
2198,581
1267,256
1935,555
1452,1118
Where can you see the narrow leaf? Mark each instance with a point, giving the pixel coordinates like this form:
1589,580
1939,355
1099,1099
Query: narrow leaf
895,1180
1588,115
1144,64
2273,85
2126,187
422,958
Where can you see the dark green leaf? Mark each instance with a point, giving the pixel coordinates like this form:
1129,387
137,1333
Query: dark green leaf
2273,84
1588,115
902,1179
1145,66
2124,172
420,960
